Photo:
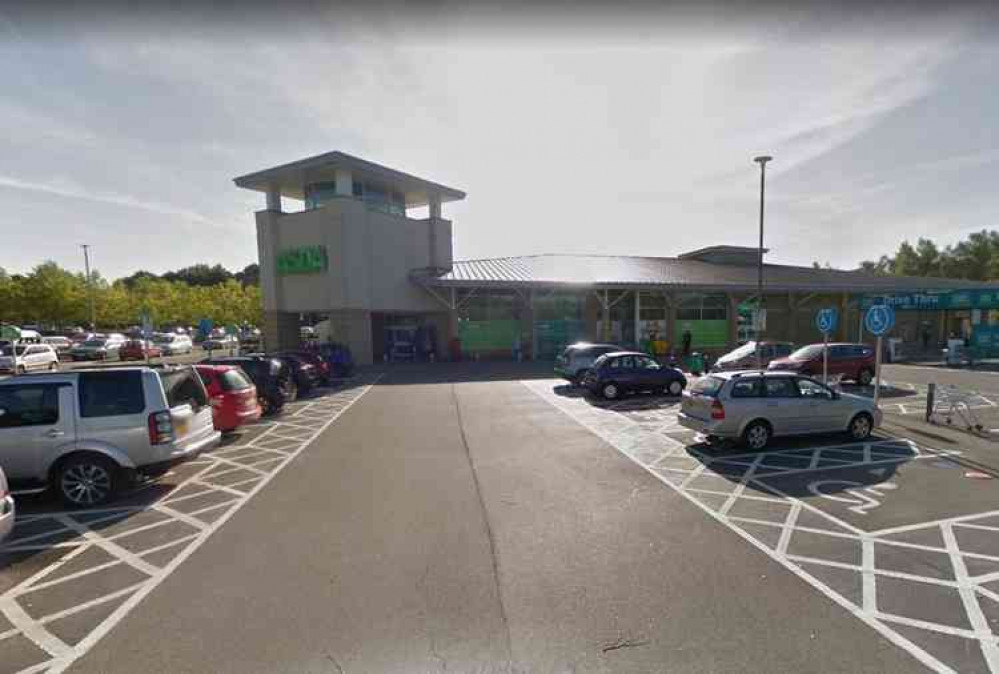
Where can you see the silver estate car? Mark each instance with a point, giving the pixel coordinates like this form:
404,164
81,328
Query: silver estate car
88,433
755,406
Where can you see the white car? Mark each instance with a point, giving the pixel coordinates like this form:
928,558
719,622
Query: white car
173,344
29,358
6,508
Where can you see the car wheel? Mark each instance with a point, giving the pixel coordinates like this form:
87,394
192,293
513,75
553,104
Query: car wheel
610,391
674,388
865,377
757,435
86,481
861,426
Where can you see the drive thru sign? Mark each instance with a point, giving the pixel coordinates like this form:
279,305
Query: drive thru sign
879,319
825,321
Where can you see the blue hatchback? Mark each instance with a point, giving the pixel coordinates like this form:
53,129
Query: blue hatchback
616,374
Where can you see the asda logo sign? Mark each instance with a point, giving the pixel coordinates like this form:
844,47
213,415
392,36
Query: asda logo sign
302,260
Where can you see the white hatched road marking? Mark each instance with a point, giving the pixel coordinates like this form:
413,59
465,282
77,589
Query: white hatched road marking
871,455
305,419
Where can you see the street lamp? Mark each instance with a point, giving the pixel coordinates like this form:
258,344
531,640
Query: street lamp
90,285
762,161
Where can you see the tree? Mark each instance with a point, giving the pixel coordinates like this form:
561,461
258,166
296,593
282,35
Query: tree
250,276
975,259
200,275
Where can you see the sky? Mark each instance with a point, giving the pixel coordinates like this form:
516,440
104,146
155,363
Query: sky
630,132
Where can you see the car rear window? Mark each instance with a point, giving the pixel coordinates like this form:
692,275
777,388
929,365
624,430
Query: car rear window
111,394
708,386
234,380
183,387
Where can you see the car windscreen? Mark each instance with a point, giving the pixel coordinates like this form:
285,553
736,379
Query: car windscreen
184,387
708,386
94,342
808,352
163,339
234,380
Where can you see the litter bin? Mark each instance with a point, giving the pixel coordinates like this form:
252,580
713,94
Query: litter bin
695,363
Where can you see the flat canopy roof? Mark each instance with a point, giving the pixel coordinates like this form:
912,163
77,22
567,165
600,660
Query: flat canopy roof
290,179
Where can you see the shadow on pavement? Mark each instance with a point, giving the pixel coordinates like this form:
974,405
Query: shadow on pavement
441,373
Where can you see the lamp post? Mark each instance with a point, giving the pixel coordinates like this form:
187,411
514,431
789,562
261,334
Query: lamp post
762,161
90,285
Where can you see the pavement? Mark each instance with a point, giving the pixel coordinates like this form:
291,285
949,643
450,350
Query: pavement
486,518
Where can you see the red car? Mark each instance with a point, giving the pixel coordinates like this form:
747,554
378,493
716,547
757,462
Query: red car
233,396
137,349
852,361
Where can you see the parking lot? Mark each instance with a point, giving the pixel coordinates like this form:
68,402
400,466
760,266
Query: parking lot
476,514
66,574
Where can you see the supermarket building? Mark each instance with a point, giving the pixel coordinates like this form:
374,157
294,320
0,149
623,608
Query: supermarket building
354,253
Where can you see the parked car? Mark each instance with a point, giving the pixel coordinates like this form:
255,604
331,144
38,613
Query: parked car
86,434
617,373
745,357
29,358
851,361
139,349
324,369
173,344
757,406
306,374
220,342
100,348
6,508
233,396
61,344
273,378
577,359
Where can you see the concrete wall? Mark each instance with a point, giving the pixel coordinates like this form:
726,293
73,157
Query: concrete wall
370,256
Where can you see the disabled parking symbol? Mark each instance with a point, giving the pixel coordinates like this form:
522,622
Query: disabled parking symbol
879,319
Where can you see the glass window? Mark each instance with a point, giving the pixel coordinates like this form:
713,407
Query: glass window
182,387
840,352
31,405
109,394
812,389
808,352
780,387
646,363
781,350
708,386
234,380
747,388
616,363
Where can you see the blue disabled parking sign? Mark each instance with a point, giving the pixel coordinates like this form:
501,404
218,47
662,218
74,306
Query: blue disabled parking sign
879,319
825,320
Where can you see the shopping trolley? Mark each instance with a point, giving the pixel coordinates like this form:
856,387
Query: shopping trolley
951,402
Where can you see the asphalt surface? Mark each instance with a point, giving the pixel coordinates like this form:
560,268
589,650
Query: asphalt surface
472,526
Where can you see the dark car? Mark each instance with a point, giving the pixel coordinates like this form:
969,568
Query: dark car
273,378
323,367
615,374
745,357
850,361
306,374
577,359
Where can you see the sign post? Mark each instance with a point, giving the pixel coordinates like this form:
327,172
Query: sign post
825,321
879,319
11,333
147,328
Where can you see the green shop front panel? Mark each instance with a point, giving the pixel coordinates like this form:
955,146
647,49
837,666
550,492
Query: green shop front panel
491,335
553,336
703,333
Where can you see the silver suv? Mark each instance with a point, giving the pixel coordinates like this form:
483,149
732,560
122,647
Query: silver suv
756,406
88,433
576,361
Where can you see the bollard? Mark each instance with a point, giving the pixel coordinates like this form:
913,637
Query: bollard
931,390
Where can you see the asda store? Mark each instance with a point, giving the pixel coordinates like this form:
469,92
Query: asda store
365,251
